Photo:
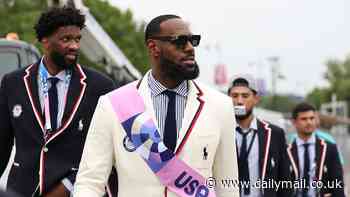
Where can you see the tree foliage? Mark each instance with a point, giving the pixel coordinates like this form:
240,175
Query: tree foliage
120,26
338,77
281,103
21,15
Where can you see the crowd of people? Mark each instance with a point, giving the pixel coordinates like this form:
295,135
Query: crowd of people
166,134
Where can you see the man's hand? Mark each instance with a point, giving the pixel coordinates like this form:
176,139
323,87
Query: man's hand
58,191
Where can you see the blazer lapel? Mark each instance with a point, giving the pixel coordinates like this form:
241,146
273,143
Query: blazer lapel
193,109
293,156
264,133
31,84
74,91
74,96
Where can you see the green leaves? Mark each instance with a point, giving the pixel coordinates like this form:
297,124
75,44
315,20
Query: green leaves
338,77
23,14
120,26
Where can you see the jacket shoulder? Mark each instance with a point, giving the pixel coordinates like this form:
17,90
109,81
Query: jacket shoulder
96,75
13,76
98,80
276,130
211,94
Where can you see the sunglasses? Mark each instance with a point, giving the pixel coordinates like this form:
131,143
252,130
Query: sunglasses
181,40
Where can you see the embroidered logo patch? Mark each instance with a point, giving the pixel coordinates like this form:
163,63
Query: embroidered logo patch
272,162
17,110
81,125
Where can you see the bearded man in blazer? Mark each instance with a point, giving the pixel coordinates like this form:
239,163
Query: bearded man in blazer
261,146
315,161
195,122
46,109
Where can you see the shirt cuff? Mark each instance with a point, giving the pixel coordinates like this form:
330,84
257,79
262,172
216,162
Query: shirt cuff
68,185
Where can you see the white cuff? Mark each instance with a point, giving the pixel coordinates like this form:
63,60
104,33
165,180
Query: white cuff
68,185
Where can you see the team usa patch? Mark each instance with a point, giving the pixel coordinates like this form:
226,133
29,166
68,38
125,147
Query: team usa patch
17,111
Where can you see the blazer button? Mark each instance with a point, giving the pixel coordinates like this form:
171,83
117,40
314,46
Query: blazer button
46,149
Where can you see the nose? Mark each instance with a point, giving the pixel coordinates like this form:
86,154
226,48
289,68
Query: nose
74,45
238,100
189,47
310,121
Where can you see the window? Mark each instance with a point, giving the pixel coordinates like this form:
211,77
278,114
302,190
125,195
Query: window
33,57
10,61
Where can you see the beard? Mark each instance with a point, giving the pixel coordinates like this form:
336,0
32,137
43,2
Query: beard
59,60
178,72
245,116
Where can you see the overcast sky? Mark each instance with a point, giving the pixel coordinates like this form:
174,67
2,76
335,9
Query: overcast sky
243,33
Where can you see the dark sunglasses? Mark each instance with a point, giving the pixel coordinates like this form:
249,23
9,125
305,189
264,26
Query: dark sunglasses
181,40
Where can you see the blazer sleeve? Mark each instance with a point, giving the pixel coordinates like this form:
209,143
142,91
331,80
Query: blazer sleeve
335,173
98,155
6,130
225,165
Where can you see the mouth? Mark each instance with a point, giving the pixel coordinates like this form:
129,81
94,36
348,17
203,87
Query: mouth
72,56
189,60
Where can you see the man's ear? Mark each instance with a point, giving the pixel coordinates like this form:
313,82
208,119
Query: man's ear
45,42
153,47
257,99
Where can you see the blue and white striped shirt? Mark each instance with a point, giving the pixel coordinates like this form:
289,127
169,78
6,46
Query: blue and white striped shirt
160,102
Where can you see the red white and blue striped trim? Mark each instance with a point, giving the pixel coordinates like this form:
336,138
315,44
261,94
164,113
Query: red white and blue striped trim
267,148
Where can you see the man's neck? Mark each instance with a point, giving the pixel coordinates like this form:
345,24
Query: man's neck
165,81
304,137
50,66
245,123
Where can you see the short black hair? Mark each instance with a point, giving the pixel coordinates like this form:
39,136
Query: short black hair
302,107
240,82
153,27
55,18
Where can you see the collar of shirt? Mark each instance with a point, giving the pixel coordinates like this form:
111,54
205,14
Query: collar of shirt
61,75
157,88
311,140
253,125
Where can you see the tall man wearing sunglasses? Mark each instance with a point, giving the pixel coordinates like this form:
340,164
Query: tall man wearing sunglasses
162,133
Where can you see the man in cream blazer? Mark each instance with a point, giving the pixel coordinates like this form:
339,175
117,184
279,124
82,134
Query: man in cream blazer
205,138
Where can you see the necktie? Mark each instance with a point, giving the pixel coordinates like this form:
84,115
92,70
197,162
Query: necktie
306,169
53,102
243,165
170,133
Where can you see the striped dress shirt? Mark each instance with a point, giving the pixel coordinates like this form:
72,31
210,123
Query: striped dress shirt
253,157
160,102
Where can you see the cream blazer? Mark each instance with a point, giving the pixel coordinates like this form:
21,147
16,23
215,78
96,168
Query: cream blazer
209,148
